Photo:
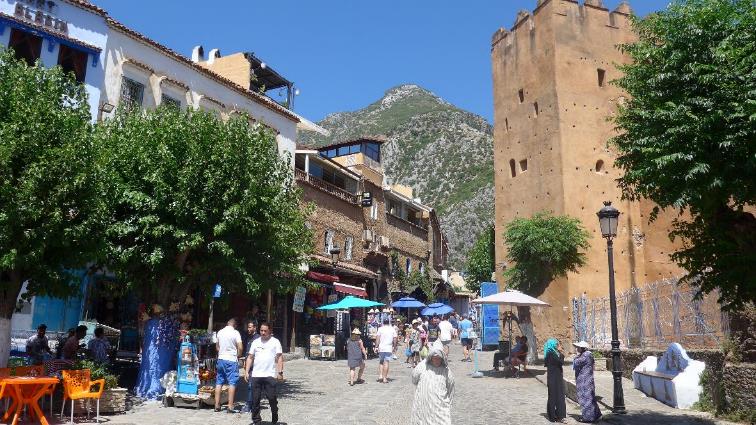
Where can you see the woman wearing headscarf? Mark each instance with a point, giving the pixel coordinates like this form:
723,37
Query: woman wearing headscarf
586,390
435,387
553,358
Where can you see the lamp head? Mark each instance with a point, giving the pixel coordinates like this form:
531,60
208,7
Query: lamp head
608,220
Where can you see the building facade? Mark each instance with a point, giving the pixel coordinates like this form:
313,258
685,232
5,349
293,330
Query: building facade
392,230
552,100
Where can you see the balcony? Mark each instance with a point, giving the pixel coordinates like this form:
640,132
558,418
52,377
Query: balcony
326,187
420,231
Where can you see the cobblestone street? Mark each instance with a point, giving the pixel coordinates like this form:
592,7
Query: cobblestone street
316,392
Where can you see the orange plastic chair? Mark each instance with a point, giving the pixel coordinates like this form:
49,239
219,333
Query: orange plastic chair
77,385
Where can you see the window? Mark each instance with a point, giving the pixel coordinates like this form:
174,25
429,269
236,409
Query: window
394,208
373,151
25,46
524,165
535,108
328,242
132,93
374,211
506,124
354,149
408,267
521,95
73,60
601,76
343,150
170,101
599,166
512,168
348,242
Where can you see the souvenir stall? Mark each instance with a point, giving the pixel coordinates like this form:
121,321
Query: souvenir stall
343,324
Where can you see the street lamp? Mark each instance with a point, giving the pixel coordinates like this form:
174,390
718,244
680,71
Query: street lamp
608,218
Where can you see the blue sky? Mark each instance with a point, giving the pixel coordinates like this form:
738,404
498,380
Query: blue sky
344,54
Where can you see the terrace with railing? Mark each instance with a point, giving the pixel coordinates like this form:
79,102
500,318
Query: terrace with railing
324,186
421,231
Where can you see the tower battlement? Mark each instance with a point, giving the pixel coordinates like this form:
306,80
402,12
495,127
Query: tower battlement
590,12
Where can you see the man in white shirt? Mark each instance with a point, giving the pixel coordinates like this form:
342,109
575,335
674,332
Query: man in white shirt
229,346
445,330
265,358
385,341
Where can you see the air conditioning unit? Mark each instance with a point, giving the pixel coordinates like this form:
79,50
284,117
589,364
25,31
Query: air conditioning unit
367,235
384,242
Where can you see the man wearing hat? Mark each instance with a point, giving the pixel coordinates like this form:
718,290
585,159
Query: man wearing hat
586,389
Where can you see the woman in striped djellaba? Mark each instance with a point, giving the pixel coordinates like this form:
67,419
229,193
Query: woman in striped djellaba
435,387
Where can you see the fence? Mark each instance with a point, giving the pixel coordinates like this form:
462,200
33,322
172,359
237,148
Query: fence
652,316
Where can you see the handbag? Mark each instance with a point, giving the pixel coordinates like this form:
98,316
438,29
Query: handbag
424,352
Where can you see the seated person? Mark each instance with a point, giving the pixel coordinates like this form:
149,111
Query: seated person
520,353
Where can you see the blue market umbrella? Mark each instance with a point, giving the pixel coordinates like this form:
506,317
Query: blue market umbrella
407,302
350,302
436,308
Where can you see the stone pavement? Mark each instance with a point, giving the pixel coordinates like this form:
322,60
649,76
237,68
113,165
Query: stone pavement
316,392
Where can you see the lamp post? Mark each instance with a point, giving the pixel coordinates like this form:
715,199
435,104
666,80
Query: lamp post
608,218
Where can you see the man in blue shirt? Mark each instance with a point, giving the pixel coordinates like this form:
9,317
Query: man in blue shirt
464,335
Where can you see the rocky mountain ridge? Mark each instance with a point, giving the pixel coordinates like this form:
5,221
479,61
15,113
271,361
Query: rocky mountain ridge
444,153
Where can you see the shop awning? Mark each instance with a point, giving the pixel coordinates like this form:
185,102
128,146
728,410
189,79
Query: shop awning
349,289
322,277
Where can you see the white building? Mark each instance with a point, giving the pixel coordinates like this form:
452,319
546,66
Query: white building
69,33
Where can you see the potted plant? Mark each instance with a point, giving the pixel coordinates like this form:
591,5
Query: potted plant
113,399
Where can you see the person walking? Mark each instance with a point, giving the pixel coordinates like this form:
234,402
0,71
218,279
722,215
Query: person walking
415,343
433,329
435,388
229,346
464,336
356,356
247,340
265,358
385,341
553,358
445,331
586,389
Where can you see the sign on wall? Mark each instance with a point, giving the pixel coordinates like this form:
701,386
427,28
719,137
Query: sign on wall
299,299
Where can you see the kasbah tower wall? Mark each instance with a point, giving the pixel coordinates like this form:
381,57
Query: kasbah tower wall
551,153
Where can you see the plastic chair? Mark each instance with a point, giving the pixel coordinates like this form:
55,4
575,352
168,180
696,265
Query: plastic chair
77,386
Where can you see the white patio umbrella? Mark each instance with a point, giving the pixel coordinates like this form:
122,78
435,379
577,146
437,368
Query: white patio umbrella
511,297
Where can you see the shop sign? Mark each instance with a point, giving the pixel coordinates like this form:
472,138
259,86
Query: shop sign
299,299
40,12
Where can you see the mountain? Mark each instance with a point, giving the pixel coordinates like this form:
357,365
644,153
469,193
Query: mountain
444,153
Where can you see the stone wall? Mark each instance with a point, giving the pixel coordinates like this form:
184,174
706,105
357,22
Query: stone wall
714,359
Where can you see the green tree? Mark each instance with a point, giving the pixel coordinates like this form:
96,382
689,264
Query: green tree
688,136
480,261
543,248
196,201
50,202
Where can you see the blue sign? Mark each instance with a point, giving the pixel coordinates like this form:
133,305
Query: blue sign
490,319
217,291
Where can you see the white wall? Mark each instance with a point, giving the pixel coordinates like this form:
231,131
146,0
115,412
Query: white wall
121,48
83,25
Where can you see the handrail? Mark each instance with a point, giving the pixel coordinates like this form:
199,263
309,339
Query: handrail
323,185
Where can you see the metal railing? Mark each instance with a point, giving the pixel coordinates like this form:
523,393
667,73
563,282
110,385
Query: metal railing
653,316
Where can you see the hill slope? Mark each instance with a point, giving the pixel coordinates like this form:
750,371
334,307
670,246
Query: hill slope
443,152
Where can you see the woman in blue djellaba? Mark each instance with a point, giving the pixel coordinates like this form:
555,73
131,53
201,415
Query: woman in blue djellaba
159,348
586,389
553,357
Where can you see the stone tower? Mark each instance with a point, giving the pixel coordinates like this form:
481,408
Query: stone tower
552,100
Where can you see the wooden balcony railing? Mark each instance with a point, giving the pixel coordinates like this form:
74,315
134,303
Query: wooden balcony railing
324,186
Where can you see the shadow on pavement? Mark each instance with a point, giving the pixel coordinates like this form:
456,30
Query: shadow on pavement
294,388
648,417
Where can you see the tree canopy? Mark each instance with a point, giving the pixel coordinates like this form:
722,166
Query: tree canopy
50,199
688,136
197,200
480,261
543,248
